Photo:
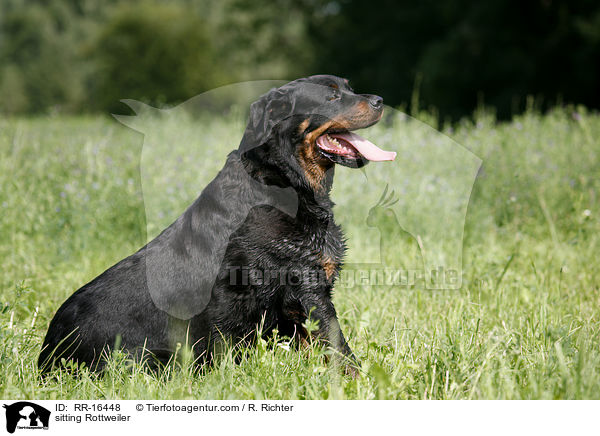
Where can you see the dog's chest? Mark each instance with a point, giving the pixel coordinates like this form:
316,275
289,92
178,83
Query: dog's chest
326,249
305,243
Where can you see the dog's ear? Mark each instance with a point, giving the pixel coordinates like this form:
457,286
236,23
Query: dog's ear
266,113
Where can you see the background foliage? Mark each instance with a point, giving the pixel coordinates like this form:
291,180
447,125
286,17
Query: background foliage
451,55
526,323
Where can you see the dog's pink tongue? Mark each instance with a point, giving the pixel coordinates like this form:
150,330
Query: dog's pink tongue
366,148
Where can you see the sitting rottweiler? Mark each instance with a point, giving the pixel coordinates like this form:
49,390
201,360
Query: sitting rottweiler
259,246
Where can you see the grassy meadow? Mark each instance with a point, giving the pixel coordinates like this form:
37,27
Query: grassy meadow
524,325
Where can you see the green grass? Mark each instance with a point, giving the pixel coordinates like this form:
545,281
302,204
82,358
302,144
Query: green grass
525,324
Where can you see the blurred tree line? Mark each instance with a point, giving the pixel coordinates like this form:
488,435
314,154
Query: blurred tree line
85,55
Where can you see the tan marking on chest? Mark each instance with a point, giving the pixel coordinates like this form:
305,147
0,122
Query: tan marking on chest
329,266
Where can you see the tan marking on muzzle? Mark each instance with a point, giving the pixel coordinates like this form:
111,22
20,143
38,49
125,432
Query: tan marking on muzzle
311,162
311,137
303,125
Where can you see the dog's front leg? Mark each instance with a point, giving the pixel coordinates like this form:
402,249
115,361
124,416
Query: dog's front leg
334,337
320,309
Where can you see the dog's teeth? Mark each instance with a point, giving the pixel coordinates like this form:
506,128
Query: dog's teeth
333,142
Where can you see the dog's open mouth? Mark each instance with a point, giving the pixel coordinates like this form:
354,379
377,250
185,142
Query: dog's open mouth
352,146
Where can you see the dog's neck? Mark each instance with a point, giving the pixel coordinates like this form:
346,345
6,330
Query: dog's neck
316,205
312,203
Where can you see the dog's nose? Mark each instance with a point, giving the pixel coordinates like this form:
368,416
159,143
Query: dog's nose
376,101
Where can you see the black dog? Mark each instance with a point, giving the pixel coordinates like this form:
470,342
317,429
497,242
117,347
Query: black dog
258,247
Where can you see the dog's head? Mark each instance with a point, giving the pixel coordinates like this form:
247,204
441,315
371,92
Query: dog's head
305,127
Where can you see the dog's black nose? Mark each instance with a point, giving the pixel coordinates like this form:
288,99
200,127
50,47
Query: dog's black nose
375,101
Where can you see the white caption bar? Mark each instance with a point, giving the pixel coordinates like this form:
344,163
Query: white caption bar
21,417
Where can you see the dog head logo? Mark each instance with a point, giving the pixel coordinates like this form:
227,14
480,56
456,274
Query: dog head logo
26,415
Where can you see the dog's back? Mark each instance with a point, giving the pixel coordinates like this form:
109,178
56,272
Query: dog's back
154,299
124,305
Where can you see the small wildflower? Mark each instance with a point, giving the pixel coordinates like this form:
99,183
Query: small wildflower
587,213
284,345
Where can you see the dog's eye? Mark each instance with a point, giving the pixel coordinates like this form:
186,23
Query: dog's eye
335,94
